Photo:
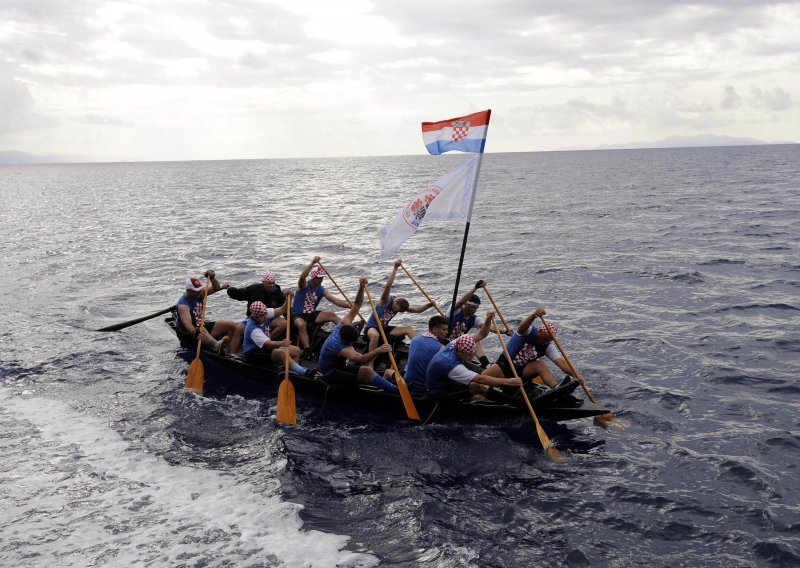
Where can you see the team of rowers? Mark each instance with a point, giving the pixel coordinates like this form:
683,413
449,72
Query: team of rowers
439,360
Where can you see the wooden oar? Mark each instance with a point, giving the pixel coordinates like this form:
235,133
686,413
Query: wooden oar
287,405
342,292
496,309
408,402
603,417
195,376
421,289
123,325
548,446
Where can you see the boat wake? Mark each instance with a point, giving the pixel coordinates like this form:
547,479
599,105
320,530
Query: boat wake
107,502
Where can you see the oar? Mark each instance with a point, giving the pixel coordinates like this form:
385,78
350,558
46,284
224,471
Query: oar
496,309
421,289
287,406
408,402
195,376
123,325
342,292
548,446
603,417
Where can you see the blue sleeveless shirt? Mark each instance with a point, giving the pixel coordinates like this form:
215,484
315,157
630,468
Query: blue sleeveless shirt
420,352
386,313
248,344
443,362
306,300
329,357
195,306
462,324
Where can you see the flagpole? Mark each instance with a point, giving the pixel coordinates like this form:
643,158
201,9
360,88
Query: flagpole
464,242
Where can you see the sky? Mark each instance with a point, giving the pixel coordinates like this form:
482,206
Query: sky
228,79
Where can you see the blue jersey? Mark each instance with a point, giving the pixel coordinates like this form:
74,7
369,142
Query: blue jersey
248,344
306,300
443,362
386,313
420,352
329,358
461,323
195,306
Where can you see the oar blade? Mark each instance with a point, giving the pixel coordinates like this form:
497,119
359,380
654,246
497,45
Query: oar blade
195,376
554,454
287,404
408,402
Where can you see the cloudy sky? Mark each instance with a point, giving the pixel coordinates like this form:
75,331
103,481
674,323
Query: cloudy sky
222,79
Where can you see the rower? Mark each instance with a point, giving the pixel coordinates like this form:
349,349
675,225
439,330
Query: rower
338,349
527,347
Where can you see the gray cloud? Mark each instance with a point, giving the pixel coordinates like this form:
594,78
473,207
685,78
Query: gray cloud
777,99
731,99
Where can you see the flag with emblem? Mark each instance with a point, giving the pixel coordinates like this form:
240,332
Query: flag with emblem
448,198
464,133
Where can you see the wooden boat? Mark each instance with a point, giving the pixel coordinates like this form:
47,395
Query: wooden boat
233,375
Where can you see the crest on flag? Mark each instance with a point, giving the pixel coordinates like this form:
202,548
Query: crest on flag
414,212
460,130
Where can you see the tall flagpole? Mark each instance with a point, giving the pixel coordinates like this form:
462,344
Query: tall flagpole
466,228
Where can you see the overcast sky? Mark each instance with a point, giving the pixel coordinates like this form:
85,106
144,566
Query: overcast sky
194,79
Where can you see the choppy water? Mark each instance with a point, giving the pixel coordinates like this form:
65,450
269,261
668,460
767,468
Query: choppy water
673,274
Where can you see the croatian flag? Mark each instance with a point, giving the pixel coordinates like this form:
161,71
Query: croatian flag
465,133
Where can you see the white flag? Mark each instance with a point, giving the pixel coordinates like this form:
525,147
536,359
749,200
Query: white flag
448,198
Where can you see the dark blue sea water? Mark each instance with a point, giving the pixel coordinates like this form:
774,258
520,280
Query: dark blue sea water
674,276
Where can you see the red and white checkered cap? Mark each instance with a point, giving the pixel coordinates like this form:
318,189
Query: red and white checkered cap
551,326
318,273
268,278
194,284
465,344
258,309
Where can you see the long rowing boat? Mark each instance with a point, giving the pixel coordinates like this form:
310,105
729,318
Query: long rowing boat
233,375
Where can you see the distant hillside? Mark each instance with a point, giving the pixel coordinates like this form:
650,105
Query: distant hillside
689,142
14,157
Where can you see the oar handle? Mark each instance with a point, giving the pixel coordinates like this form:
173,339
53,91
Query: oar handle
566,358
203,316
545,441
289,338
342,292
421,289
496,309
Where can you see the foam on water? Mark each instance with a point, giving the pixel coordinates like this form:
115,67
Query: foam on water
88,497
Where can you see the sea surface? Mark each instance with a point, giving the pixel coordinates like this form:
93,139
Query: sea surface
673,274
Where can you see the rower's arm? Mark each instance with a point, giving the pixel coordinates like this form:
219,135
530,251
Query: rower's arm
336,301
356,357
496,381
301,281
387,289
185,316
526,323
351,315
468,295
421,308
485,329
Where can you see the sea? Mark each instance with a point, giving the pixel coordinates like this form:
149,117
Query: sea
672,274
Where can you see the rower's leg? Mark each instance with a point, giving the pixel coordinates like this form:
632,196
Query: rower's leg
539,367
236,340
302,332
372,336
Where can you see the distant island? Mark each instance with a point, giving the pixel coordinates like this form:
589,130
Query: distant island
701,140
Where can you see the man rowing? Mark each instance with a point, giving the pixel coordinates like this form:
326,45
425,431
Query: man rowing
213,334
420,352
388,307
258,347
527,348
269,293
466,318
338,349
310,292
447,372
